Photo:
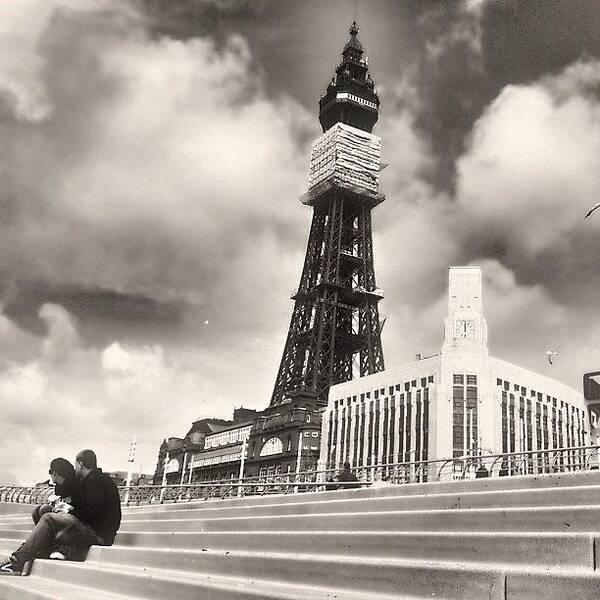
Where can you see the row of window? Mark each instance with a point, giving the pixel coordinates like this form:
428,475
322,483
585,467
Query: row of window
214,440
539,396
366,441
216,460
519,422
465,435
423,382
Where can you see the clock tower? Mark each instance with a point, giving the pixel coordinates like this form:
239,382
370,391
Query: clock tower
464,370
465,327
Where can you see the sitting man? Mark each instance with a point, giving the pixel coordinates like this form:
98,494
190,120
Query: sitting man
348,477
94,520
66,491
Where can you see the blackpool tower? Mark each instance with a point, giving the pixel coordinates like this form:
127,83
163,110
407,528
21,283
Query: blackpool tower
334,332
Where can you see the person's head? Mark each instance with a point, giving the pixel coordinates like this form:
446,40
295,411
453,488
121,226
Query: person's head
346,466
61,469
85,462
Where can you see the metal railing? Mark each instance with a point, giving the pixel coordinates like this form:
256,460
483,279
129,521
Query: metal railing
534,462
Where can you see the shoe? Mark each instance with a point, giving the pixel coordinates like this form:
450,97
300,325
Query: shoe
9,566
56,555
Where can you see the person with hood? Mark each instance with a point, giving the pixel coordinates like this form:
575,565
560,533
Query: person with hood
67,490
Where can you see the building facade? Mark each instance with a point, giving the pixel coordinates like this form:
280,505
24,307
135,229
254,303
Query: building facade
460,402
179,459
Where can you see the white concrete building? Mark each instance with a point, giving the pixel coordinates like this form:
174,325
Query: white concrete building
461,402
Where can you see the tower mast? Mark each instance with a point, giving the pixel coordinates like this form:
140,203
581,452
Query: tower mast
334,332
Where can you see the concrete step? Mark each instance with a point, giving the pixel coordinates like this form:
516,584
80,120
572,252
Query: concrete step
42,588
572,496
13,508
536,549
381,574
550,585
12,534
158,584
22,518
559,518
555,480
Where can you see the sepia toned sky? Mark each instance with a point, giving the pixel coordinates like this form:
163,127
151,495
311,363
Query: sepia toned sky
152,156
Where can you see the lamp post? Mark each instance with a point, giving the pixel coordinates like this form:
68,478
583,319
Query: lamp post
164,478
130,461
298,460
242,464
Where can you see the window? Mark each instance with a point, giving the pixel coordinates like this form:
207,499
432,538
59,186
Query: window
458,380
471,379
272,446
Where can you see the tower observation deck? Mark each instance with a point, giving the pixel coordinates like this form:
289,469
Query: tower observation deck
334,333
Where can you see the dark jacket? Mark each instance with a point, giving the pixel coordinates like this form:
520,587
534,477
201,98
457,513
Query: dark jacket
69,490
100,505
347,475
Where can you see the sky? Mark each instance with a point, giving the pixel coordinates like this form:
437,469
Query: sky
152,157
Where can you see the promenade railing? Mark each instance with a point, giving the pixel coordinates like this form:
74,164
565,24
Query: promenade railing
530,463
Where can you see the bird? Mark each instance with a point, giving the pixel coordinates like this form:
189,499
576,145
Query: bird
595,207
550,354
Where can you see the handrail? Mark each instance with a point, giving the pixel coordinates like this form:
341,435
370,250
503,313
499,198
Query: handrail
531,462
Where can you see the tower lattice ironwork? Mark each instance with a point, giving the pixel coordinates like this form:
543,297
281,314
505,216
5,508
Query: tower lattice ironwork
334,332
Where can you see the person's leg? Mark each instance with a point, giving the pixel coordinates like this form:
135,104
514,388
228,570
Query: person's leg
35,514
77,534
40,510
41,540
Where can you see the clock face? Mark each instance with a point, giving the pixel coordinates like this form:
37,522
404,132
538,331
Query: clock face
464,329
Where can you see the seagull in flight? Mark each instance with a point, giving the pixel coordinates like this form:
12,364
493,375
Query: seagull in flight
595,207
550,354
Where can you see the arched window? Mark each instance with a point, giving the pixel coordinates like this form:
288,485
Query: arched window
272,446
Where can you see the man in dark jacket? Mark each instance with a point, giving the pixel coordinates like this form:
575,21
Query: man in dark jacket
347,476
94,520
100,505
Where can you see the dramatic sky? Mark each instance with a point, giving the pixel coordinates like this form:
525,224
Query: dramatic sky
152,155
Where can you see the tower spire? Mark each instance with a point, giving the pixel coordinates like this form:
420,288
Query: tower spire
350,97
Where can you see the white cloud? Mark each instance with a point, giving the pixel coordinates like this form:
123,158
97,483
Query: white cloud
96,398
531,168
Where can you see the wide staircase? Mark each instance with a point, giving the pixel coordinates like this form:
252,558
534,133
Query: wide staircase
517,537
